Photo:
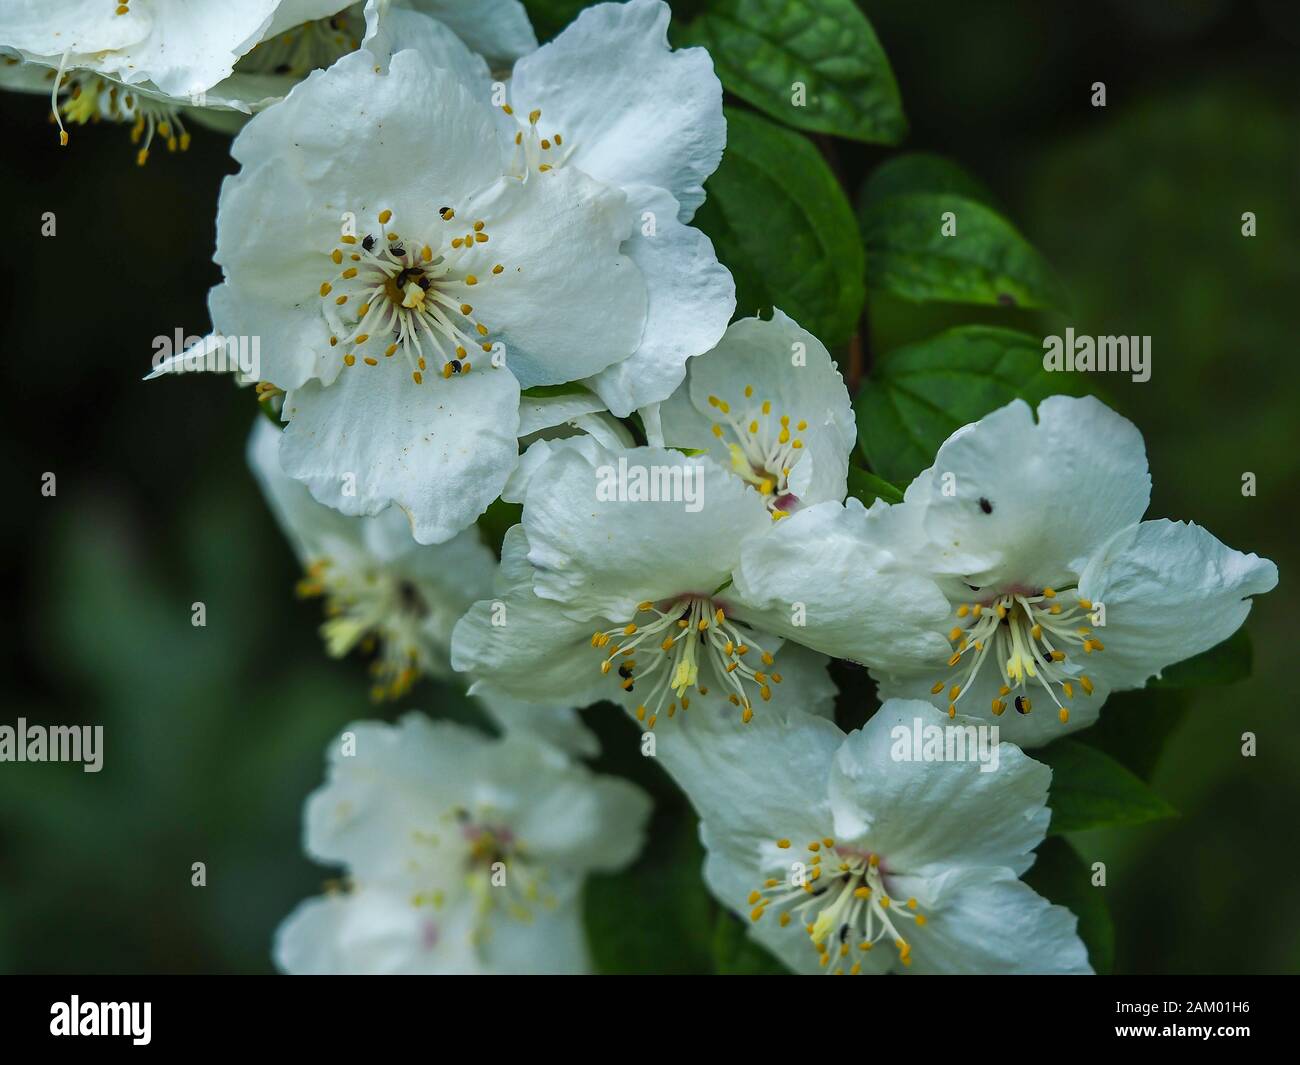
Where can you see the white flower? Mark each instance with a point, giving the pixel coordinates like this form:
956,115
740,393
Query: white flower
848,860
769,403
445,264
1052,592
393,598
462,855
609,97
112,71
626,597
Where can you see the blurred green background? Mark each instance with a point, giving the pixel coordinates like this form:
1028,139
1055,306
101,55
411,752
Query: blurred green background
214,735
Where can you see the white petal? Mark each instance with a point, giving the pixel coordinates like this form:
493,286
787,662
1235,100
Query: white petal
554,943
827,577
565,815
556,724
923,816
691,299
498,30
49,28
190,47
752,784
545,412
788,367
391,29
568,302
1027,503
991,924
526,648
1171,590
440,450
1041,725
311,527
396,780
634,112
602,556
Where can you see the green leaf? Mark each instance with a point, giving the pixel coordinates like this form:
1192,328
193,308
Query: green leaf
867,487
1060,876
735,954
570,388
1226,663
764,50
657,916
982,260
496,521
781,224
920,393
549,17
1092,790
1136,726
923,172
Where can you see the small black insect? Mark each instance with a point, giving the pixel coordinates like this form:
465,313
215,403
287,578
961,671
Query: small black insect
398,250
986,506
844,932
455,368
625,671
368,242
1022,705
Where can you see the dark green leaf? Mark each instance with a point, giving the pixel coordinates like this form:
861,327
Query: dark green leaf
571,388
735,954
549,17
866,487
1228,663
781,223
923,172
496,521
814,64
657,916
974,256
1060,876
919,394
1135,726
1092,790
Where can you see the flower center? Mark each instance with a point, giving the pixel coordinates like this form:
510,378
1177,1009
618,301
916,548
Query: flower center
688,639
313,45
376,612
763,449
498,870
843,902
532,150
394,294
83,97
1027,634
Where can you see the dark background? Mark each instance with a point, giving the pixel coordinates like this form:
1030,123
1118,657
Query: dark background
215,735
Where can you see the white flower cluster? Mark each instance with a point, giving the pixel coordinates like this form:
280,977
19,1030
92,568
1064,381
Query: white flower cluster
470,265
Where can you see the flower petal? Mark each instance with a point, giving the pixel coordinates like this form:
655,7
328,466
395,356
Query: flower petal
922,816
441,450
1170,591
828,578
1012,502
568,302
691,298
989,923
634,111
600,555
786,366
